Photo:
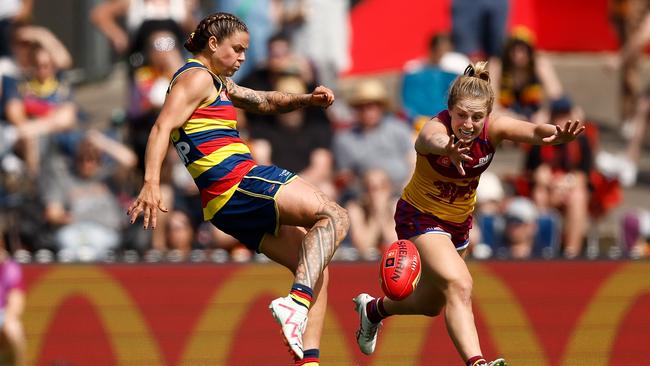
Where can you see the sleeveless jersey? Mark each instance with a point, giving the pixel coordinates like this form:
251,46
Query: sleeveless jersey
438,188
209,145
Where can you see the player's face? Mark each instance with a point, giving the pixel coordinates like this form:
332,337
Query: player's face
229,55
468,118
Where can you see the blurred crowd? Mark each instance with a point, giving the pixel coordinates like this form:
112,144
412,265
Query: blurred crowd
66,183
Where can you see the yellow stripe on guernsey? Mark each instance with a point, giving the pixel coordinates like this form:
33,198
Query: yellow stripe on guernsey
199,166
449,199
218,202
204,124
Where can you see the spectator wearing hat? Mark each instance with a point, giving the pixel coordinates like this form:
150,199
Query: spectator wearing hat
560,179
520,227
376,140
487,233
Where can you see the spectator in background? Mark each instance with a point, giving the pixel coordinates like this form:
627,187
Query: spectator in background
478,29
12,305
624,165
310,134
371,215
12,12
425,86
560,177
320,31
282,61
23,38
520,228
80,203
377,140
631,21
180,236
527,78
149,86
48,105
38,62
138,16
635,228
487,234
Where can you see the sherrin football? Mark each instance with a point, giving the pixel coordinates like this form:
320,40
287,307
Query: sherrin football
400,270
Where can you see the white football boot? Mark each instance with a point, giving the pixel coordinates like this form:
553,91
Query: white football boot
367,332
293,320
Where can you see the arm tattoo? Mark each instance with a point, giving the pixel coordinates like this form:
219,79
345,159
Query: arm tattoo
440,141
321,241
265,101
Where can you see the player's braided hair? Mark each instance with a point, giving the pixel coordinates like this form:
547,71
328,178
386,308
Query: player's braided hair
219,25
473,84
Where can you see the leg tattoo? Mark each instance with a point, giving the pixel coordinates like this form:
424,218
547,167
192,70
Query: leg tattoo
321,241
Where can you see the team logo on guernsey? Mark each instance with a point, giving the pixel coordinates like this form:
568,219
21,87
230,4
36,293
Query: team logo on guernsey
224,96
444,161
484,160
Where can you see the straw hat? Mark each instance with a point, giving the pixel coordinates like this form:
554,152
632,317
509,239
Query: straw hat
368,91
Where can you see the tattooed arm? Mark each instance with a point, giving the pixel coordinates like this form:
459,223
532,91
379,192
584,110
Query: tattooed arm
274,101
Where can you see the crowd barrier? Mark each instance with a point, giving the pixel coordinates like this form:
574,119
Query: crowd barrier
532,313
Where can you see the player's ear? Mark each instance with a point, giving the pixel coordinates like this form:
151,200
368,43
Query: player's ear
213,43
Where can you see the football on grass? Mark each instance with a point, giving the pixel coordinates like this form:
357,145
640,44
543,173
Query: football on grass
400,270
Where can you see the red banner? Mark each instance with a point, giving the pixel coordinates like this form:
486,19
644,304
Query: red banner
386,33
531,313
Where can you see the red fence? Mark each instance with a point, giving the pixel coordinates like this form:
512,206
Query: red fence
532,313
387,33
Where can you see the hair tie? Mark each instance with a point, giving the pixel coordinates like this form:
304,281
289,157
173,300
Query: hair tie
192,35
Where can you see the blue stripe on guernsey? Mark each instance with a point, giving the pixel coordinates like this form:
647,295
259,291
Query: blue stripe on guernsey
220,102
219,171
203,136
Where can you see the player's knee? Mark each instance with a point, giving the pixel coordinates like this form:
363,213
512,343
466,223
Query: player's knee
340,220
460,289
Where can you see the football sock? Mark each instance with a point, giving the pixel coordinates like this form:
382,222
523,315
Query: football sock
476,361
376,311
301,295
310,358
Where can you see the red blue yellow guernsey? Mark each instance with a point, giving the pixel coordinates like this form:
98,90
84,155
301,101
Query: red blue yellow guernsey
209,145
438,188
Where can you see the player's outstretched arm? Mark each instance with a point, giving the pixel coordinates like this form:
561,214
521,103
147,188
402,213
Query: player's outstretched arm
187,93
274,101
507,128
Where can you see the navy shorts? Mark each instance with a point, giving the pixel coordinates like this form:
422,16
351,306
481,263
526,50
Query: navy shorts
252,210
410,222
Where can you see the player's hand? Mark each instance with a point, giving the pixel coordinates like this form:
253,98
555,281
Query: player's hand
457,153
149,202
568,132
322,97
